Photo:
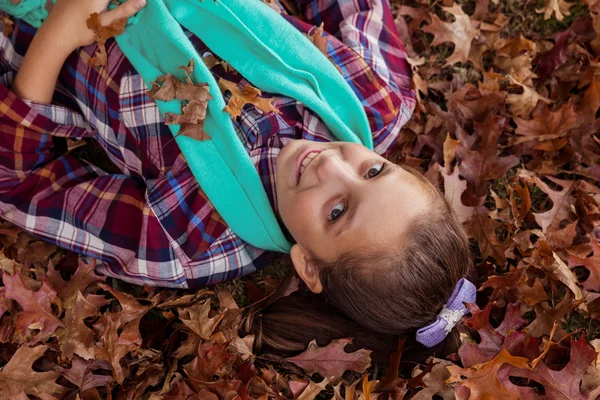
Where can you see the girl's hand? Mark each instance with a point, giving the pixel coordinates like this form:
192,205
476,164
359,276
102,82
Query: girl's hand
67,21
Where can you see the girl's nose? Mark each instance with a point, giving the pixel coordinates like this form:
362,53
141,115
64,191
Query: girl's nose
333,167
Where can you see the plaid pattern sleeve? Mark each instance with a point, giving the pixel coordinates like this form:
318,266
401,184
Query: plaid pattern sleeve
365,45
70,202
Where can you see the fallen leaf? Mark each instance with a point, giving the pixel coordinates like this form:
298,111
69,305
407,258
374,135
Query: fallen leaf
242,96
77,338
37,312
82,374
83,277
460,32
196,318
482,379
17,376
558,8
564,384
332,361
103,33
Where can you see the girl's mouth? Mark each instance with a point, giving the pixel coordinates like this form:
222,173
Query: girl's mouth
304,159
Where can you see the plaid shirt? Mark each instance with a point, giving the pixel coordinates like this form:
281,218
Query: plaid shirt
149,222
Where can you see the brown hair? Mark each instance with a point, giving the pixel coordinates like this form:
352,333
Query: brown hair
396,295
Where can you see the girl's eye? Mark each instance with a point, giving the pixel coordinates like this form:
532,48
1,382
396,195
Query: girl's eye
337,211
374,170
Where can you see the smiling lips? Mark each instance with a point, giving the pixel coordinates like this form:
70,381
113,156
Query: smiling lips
306,158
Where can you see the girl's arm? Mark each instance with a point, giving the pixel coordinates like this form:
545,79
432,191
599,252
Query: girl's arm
64,30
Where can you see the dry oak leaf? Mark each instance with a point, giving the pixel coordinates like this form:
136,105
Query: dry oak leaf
516,281
565,384
561,202
546,316
590,260
17,375
242,96
332,361
37,312
460,32
454,187
191,120
483,164
313,389
83,277
591,98
210,357
516,46
523,104
77,338
116,346
434,383
491,339
169,87
545,124
482,228
82,374
103,33
196,317
559,8
131,309
483,379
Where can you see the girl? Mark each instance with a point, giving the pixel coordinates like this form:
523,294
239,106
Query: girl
376,246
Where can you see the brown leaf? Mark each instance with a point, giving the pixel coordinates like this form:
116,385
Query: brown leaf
481,164
558,8
312,390
83,277
103,33
37,312
561,201
454,188
82,374
196,318
483,380
546,125
17,375
242,96
435,382
460,32
77,338
523,104
546,316
210,357
131,309
516,280
116,346
332,361
483,229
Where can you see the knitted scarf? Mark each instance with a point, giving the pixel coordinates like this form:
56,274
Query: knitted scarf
271,54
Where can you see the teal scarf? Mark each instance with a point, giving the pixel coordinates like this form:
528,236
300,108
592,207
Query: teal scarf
270,53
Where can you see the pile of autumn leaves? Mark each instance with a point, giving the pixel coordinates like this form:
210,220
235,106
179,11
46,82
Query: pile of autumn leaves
505,124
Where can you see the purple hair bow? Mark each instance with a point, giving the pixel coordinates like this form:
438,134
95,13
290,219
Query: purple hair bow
452,312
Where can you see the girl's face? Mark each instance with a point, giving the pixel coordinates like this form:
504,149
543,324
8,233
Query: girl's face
337,197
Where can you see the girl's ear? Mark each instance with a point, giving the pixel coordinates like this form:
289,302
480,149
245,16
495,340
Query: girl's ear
306,269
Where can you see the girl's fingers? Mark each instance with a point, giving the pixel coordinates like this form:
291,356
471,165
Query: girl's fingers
125,10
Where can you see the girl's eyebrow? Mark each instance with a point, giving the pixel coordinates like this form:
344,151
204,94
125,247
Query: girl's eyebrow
349,217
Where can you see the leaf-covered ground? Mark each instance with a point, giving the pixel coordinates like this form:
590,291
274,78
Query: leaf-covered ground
506,125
